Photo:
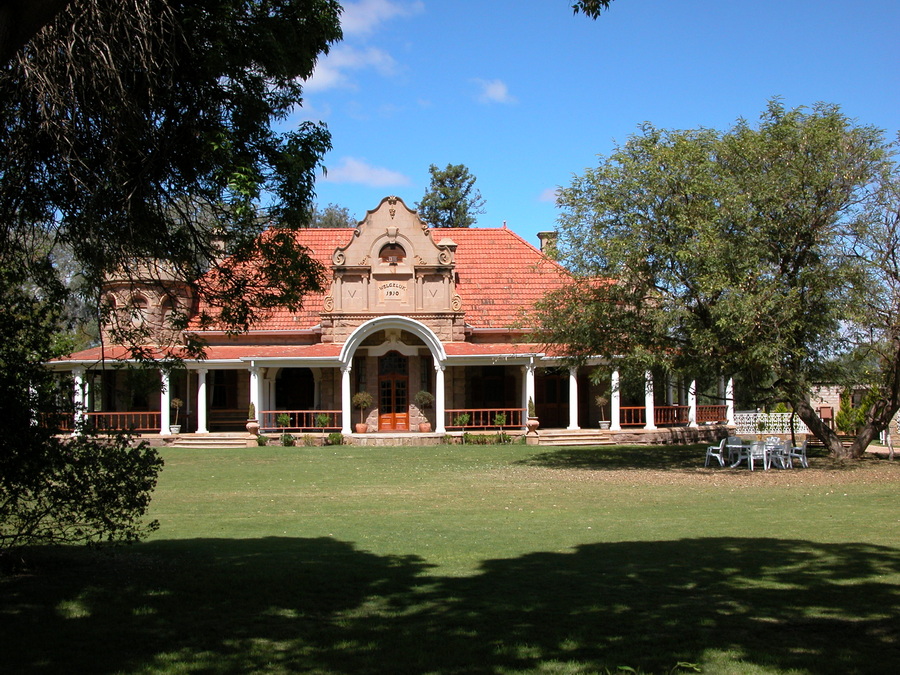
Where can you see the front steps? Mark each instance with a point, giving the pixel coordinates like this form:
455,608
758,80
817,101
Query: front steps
573,437
216,440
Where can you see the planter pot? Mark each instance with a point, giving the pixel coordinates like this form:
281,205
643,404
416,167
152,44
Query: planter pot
604,425
361,428
174,428
425,427
253,427
532,424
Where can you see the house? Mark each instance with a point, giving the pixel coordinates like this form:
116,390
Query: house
409,308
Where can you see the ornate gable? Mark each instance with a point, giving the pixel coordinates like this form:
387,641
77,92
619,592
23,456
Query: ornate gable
392,266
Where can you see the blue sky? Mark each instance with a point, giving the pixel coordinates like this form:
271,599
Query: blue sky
526,94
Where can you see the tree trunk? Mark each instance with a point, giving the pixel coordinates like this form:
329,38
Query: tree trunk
821,430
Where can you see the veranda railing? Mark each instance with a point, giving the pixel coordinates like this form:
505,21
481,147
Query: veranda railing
483,418
299,420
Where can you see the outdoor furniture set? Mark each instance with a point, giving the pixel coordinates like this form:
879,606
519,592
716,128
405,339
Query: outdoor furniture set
771,452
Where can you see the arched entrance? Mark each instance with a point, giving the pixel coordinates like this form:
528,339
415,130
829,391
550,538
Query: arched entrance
393,392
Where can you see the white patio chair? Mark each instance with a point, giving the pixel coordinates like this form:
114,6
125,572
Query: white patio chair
799,452
757,453
779,453
717,451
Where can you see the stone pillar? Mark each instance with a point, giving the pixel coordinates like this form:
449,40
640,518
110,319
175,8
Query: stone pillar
692,404
439,399
345,401
573,398
615,402
649,406
165,405
201,401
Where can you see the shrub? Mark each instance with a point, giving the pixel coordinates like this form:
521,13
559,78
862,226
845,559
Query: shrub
309,440
335,438
262,440
287,440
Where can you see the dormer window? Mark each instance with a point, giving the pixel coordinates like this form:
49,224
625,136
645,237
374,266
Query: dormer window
392,254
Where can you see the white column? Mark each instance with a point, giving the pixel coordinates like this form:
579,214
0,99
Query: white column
573,398
80,406
529,384
254,389
615,403
729,401
345,400
201,401
165,405
440,399
692,404
649,407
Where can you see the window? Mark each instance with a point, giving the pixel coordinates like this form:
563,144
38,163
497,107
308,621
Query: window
392,253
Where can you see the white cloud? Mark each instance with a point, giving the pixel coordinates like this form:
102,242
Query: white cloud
358,171
493,91
332,71
364,17
549,195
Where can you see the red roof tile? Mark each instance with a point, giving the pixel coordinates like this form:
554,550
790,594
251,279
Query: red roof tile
500,276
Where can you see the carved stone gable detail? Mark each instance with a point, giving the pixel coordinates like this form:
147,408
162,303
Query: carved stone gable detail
401,269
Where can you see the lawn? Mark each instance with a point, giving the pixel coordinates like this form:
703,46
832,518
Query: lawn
477,559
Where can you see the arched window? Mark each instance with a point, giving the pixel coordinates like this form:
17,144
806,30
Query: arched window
139,306
392,253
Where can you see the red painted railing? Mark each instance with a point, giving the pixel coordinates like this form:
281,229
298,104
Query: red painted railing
299,420
124,421
712,413
484,418
671,415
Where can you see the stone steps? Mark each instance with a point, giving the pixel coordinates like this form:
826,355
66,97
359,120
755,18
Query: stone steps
574,437
221,440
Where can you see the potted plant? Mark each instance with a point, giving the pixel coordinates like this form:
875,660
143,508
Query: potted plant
362,400
500,421
424,400
252,422
601,402
283,420
176,428
532,422
323,420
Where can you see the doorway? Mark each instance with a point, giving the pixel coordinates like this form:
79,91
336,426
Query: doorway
393,392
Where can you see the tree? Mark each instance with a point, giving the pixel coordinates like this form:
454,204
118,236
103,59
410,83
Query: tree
699,251
136,132
452,200
591,8
332,216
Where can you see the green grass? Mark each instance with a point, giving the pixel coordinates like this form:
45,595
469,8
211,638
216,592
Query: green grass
475,559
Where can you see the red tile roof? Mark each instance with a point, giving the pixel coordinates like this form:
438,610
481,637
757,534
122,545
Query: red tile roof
500,276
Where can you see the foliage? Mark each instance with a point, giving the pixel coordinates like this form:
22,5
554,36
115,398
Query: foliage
323,420
56,489
721,251
331,216
361,400
283,420
591,8
335,438
423,399
184,96
81,489
532,412
601,402
288,440
461,420
176,403
451,200
262,440
251,411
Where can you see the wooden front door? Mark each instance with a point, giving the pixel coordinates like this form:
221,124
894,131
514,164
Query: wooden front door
393,392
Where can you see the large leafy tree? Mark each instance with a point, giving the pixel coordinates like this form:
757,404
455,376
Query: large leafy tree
451,200
136,131
701,251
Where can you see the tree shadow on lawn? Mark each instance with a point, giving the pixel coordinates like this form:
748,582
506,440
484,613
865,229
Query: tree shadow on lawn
656,458
294,605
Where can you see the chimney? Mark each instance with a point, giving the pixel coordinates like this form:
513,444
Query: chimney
548,243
